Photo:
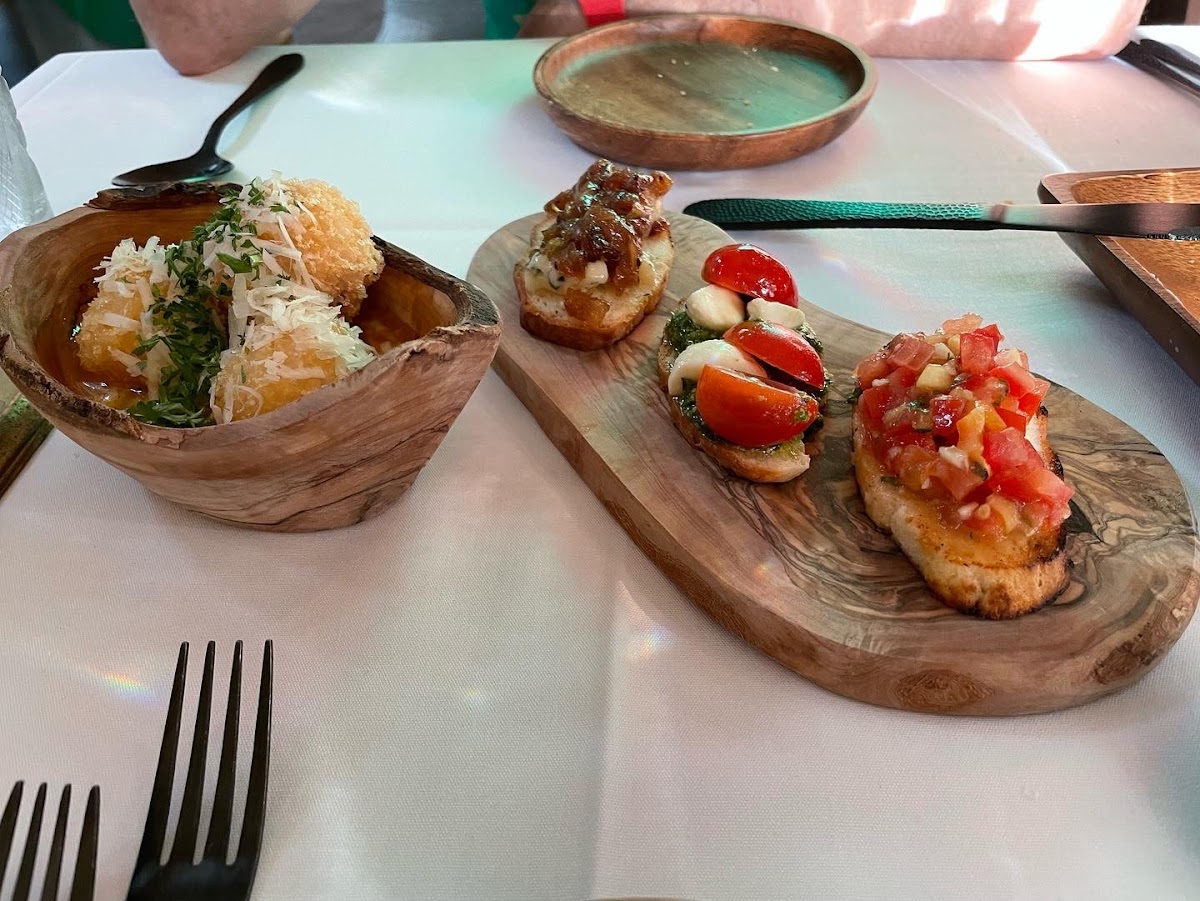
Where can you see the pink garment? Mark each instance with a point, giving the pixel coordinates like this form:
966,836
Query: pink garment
948,29
967,29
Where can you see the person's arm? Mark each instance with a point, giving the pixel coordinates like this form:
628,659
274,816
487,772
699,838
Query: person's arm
198,36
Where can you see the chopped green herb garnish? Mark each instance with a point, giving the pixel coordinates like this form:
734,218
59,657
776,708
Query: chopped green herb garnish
237,265
682,332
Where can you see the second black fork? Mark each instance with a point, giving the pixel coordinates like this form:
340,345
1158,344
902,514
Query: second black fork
212,878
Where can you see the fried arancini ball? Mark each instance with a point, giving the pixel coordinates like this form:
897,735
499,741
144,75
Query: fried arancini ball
111,326
294,342
252,380
335,243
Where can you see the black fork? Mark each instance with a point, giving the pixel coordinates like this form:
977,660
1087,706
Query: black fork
213,878
84,880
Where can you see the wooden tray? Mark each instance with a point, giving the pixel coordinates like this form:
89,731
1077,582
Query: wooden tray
22,431
1157,281
703,92
799,571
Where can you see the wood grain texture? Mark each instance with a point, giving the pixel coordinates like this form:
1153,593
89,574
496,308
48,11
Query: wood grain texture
1157,281
334,457
799,571
703,91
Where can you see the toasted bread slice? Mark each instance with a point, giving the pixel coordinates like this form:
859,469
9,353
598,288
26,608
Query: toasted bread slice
596,316
781,463
998,579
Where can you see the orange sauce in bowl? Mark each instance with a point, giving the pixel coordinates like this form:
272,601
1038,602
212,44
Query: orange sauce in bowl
55,348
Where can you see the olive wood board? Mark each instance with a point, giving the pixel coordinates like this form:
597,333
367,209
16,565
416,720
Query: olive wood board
703,91
22,430
1158,281
800,572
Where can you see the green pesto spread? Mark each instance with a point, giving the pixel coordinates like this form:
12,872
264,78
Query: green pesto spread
682,332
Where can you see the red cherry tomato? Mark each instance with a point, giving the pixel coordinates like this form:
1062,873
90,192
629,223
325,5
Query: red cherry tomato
780,347
749,411
750,270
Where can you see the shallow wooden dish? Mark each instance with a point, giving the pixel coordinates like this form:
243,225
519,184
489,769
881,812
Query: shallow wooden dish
799,570
332,458
1157,281
703,91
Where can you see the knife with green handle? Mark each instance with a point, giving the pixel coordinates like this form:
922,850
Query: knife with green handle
1172,221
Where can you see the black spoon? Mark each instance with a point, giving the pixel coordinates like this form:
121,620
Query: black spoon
205,163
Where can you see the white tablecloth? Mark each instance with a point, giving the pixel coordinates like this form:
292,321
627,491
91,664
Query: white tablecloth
489,692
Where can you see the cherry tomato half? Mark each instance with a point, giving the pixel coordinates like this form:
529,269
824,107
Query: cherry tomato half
749,411
750,270
781,347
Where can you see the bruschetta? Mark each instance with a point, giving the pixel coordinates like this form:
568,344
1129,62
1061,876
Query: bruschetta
742,370
599,261
952,459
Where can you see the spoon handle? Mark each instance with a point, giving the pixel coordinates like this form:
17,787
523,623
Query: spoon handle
272,76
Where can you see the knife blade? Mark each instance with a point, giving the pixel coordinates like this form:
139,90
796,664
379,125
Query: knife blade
1172,221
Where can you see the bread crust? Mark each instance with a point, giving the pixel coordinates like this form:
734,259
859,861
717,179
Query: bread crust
997,580
780,464
544,313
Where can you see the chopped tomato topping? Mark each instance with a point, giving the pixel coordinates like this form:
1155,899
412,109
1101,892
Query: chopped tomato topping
1009,450
1019,472
910,351
959,481
961,442
1020,380
873,367
947,410
914,464
1014,419
987,389
1032,402
966,323
978,350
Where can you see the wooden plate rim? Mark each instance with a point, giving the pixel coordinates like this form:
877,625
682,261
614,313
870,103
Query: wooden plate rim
1059,187
852,105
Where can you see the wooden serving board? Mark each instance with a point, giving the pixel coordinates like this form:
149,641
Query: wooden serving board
800,572
1157,281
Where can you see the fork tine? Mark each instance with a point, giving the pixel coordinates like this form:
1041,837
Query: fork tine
84,882
217,845
8,825
184,847
25,873
54,862
256,790
150,851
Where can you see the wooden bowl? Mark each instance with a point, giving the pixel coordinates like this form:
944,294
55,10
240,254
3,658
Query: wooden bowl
703,91
335,457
